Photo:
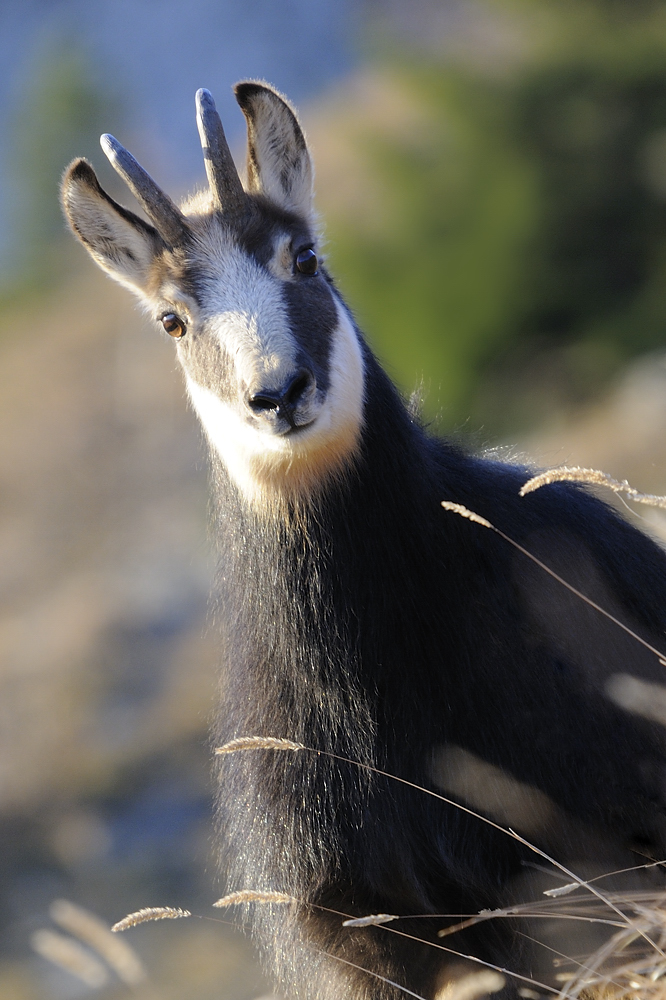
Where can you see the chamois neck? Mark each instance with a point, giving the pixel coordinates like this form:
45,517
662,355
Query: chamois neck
388,464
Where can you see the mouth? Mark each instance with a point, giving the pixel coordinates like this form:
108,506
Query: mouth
295,429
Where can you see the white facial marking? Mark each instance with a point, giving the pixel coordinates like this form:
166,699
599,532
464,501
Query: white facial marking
261,462
245,311
174,298
281,262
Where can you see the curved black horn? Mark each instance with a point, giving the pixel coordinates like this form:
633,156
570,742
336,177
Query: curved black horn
167,217
225,184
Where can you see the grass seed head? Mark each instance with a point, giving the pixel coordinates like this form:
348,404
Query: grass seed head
458,508
373,920
150,913
258,743
592,477
254,896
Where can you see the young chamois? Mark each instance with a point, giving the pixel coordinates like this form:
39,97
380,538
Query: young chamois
360,618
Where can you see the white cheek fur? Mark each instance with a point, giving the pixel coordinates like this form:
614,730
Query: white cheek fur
261,463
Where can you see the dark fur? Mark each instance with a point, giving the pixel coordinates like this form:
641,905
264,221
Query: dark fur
369,622
381,627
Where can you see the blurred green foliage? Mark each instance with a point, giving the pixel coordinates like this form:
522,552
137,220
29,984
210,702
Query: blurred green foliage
59,115
521,254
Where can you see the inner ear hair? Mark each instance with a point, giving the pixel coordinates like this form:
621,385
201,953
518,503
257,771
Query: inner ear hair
278,160
120,242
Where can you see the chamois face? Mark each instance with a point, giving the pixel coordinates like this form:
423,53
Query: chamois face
271,359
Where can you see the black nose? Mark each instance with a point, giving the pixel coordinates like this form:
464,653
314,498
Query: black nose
283,402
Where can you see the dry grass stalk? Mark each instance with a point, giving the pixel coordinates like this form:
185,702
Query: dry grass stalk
603,976
629,966
373,920
594,478
375,975
254,896
470,515
150,913
283,744
474,986
562,890
90,929
458,508
258,743
645,977
71,956
630,982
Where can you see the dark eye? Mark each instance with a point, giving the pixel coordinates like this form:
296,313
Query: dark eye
306,261
174,325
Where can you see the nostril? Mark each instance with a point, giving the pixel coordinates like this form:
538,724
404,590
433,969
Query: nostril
297,388
285,401
264,401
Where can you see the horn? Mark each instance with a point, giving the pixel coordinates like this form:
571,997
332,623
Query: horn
167,217
223,179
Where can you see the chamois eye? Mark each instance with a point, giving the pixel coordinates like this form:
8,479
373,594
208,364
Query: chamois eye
174,325
306,261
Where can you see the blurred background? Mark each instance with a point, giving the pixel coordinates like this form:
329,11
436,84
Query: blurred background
492,174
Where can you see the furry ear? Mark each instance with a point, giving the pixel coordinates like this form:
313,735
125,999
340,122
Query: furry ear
122,244
278,161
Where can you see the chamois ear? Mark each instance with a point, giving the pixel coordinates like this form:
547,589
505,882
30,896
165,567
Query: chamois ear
278,161
122,244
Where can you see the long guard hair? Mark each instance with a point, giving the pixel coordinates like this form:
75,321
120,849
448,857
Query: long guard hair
358,617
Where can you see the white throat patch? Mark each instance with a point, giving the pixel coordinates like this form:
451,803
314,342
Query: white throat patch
267,467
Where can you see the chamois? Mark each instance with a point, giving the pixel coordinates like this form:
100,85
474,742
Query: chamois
359,617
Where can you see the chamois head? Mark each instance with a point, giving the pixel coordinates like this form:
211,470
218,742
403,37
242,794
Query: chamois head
272,362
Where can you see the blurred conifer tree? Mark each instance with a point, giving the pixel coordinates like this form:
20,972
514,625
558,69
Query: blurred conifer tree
60,114
522,252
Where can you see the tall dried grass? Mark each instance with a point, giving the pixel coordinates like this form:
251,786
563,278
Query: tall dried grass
591,477
631,965
91,951
94,932
254,896
149,913
71,956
